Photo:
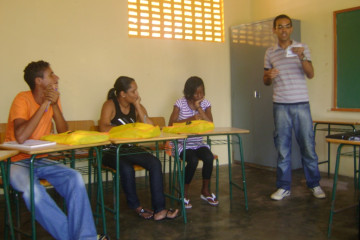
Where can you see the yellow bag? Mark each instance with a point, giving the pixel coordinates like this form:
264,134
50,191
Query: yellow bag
196,126
78,137
134,131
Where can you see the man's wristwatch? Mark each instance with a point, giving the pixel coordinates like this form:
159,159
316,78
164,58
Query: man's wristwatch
304,58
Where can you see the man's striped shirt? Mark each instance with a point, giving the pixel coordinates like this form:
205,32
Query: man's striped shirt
290,85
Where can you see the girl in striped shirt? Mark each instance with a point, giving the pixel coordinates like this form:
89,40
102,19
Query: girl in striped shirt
194,106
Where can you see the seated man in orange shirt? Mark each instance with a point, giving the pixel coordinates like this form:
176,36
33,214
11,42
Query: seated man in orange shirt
30,117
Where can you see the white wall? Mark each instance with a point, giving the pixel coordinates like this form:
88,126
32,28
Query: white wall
87,44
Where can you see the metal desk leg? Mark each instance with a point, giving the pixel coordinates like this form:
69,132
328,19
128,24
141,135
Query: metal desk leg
332,209
217,178
328,159
117,192
32,201
229,165
100,186
315,125
242,169
181,175
243,172
90,161
329,131
5,173
328,148
355,167
358,173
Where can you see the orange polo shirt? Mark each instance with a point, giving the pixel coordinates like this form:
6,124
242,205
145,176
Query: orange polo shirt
24,106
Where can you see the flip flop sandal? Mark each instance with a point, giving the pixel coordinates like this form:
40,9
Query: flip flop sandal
210,199
166,215
187,203
142,211
172,211
103,237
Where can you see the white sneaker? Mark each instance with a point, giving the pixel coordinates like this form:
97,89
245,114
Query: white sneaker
280,194
318,192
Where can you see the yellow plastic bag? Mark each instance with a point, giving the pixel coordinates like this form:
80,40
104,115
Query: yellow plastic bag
78,137
196,126
134,131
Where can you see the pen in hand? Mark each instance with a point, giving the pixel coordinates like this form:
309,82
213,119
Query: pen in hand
47,106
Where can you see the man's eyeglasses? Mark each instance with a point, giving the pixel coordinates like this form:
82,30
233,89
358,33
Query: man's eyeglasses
287,26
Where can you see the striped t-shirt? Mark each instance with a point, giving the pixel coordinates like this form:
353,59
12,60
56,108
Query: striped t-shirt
186,112
290,85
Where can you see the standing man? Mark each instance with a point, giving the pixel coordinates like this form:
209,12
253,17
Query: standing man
30,117
285,66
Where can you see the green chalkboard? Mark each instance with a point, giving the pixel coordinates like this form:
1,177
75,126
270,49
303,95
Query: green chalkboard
347,59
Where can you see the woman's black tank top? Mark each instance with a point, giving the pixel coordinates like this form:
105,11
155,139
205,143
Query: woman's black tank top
121,118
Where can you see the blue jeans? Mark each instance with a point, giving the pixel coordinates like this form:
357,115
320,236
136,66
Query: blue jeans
127,175
79,222
297,117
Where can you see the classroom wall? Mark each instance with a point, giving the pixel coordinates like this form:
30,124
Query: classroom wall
87,44
317,31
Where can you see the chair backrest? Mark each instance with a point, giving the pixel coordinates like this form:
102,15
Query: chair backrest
2,132
87,125
158,121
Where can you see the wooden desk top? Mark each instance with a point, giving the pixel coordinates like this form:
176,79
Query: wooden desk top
341,141
223,131
56,148
337,121
5,154
172,136
228,130
162,137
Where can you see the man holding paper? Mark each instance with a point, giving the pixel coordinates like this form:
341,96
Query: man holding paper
30,117
285,66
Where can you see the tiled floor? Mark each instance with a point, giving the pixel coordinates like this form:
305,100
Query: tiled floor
299,216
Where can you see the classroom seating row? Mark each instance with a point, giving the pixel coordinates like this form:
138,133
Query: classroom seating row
87,125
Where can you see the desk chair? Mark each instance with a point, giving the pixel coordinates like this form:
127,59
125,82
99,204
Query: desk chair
338,126
7,215
113,172
79,155
172,178
4,183
14,193
65,157
2,132
158,121
114,210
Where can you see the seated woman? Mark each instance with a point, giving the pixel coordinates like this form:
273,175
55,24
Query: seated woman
122,107
193,106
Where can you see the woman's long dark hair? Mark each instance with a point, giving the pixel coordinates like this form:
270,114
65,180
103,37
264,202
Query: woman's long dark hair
121,84
191,85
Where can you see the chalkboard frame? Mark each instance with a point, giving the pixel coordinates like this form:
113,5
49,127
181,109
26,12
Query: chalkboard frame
337,59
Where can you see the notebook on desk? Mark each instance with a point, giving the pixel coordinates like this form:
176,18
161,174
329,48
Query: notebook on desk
29,144
351,136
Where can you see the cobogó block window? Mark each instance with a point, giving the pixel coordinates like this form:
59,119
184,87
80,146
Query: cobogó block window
196,20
